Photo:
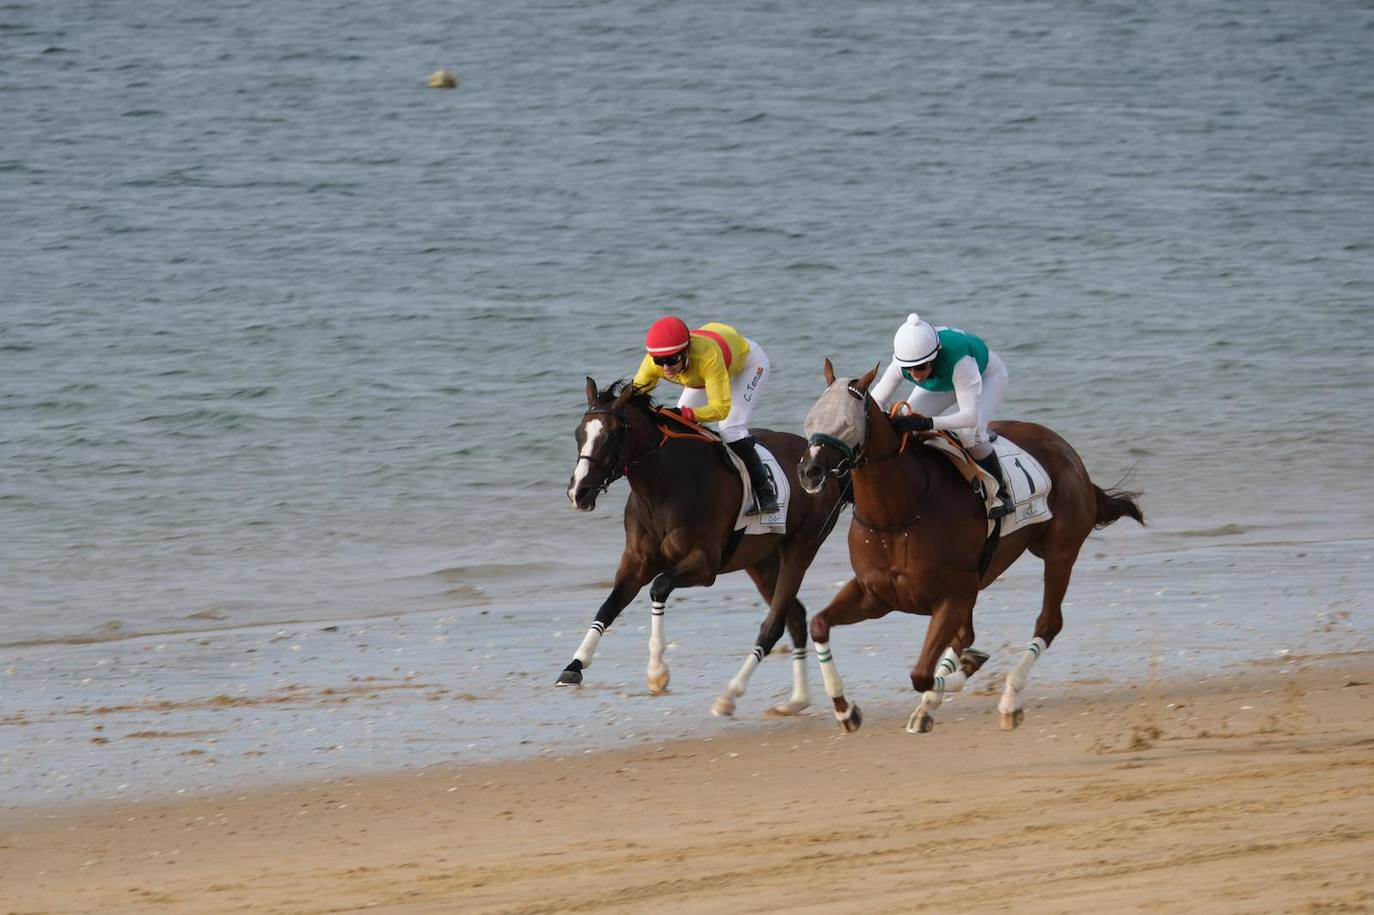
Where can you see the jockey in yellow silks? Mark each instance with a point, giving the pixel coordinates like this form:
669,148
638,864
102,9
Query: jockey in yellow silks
722,375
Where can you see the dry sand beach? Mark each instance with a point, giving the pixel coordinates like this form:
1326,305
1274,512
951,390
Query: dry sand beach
1249,790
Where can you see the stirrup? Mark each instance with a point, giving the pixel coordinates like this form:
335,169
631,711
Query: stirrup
764,504
1003,508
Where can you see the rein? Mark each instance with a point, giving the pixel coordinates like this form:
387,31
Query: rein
612,472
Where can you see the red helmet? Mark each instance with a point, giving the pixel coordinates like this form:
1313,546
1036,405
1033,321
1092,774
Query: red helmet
668,335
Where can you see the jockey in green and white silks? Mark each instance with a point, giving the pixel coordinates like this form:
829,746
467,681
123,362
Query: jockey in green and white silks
960,384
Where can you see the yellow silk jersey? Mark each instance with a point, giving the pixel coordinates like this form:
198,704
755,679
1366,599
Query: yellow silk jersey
706,368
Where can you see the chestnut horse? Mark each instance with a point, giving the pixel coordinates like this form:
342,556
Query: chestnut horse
919,531
685,496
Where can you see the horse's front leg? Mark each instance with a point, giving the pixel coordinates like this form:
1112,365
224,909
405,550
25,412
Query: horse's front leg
657,674
851,605
695,570
937,671
630,577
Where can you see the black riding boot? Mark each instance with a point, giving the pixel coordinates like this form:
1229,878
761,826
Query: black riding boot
765,496
993,466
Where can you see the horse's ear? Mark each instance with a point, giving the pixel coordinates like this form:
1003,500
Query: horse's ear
591,392
624,397
829,372
863,383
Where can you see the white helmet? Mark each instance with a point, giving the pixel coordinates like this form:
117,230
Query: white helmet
915,342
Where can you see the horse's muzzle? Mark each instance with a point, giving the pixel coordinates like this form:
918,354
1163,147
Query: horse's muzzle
582,496
810,475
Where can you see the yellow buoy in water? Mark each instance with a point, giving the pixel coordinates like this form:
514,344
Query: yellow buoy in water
443,79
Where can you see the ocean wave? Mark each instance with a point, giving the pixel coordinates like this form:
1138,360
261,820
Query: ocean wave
494,570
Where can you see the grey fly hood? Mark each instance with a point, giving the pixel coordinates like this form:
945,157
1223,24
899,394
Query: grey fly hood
839,418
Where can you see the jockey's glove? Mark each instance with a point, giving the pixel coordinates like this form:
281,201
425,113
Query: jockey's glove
913,423
686,413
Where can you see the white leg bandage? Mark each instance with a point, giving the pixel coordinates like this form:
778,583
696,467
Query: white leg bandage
834,686
741,681
1016,680
589,643
800,692
656,642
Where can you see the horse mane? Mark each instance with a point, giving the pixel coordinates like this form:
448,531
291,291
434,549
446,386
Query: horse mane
641,399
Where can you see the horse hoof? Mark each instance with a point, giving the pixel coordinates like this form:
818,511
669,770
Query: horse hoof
971,660
1010,720
724,707
658,683
570,678
850,723
788,709
920,723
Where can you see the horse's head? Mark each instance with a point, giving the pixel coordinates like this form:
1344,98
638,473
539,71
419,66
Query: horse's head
603,443
836,429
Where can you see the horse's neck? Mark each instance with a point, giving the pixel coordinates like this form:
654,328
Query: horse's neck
889,487
676,471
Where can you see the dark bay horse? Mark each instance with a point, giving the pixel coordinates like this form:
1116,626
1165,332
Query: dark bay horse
679,529
918,534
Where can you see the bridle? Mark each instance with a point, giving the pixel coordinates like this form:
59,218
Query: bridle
856,457
852,457
617,467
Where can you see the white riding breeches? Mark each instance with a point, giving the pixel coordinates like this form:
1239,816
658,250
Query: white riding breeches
745,389
994,390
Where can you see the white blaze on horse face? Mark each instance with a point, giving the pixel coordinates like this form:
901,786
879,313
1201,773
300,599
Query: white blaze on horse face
810,459
596,431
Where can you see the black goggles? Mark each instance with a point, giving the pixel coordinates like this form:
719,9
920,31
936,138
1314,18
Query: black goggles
671,360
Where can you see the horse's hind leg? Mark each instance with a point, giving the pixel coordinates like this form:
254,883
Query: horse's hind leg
779,588
629,578
801,692
765,576
795,563
1058,568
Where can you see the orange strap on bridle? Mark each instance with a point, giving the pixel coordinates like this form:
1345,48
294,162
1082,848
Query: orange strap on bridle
901,408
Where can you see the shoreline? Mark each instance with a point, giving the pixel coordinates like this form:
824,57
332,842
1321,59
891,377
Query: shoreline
200,712
1248,790
485,596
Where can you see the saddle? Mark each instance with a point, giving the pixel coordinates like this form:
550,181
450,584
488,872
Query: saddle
1027,481
773,523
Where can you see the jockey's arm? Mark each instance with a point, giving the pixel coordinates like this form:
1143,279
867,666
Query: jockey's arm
887,385
968,390
716,376
648,374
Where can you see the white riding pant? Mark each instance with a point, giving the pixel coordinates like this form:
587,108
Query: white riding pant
974,438
745,389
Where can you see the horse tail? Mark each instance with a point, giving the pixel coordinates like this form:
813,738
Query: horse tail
1116,503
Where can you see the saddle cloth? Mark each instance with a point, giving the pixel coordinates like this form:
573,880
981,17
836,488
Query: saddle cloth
775,523
1030,484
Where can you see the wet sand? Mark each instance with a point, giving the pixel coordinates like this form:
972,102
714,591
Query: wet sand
1249,791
